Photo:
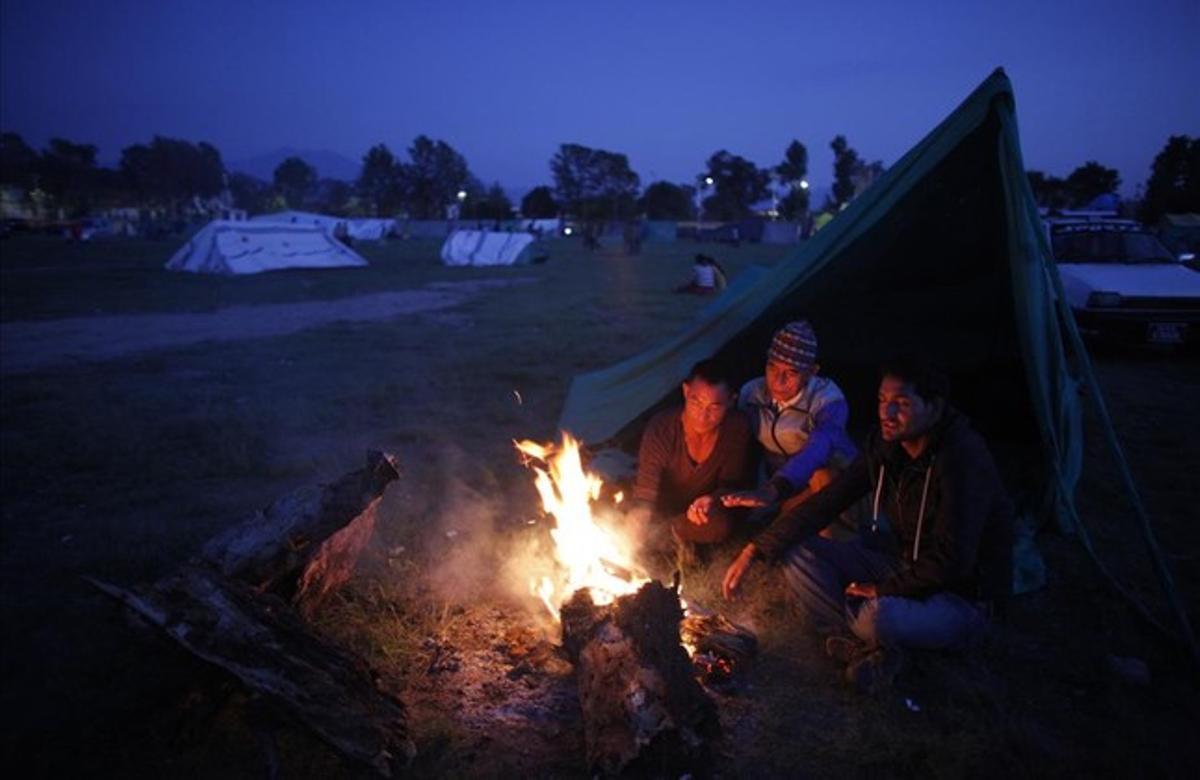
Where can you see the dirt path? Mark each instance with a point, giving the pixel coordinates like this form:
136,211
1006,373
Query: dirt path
33,346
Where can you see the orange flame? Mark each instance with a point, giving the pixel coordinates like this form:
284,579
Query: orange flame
586,552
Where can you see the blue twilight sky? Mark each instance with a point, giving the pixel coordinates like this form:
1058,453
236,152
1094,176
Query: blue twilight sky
665,82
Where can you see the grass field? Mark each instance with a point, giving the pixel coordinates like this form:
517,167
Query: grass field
121,468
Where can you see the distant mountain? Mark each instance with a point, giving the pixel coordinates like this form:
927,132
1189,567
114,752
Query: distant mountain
329,165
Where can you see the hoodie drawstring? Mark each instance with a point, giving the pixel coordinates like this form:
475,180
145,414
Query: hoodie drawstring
921,512
875,508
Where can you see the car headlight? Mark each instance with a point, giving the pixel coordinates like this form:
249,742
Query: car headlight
1103,300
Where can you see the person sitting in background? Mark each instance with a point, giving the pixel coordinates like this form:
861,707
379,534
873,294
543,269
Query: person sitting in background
799,419
936,558
689,456
707,277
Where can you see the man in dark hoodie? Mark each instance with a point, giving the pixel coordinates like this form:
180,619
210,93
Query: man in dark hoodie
936,558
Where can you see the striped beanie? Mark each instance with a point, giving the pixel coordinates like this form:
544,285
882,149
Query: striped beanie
795,344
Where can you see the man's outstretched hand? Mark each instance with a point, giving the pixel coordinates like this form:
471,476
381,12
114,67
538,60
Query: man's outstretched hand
862,590
752,498
697,511
735,572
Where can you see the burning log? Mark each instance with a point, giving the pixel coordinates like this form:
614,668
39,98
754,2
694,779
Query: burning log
262,642
306,544
721,648
643,710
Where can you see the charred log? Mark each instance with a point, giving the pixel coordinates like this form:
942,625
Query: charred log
306,544
261,641
643,710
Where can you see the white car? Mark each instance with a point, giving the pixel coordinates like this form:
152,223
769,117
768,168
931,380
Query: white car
1122,283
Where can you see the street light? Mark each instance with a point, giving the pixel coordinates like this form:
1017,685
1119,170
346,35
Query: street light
804,184
705,185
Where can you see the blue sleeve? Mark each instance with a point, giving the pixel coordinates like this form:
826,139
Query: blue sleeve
830,426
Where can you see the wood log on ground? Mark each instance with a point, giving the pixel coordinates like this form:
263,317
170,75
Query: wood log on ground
260,640
306,543
643,711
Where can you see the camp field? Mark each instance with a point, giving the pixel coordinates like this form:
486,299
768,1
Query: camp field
120,468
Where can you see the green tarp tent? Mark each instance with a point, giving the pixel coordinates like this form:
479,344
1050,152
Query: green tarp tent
945,253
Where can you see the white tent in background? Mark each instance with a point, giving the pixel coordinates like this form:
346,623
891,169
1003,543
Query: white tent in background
370,229
252,247
361,229
545,227
480,247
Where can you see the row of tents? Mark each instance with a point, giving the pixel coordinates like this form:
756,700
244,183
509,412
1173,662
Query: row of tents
358,229
254,246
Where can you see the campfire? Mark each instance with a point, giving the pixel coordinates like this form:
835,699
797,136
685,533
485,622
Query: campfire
589,556
639,678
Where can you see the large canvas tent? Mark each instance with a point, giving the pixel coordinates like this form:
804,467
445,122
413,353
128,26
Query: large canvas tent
481,247
252,247
945,253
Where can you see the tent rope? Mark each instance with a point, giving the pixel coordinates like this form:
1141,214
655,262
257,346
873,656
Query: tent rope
1156,557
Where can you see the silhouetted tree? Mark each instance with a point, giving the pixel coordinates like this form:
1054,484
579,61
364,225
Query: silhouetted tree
1174,184
332,196
664,200
67,172
18,161
539,203
846,163
249,193
295,180
381,183
168,172
738,184
1049,191
433,177
492,204
790,173
594,183
1090,180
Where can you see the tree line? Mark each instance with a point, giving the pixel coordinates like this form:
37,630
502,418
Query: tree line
432,178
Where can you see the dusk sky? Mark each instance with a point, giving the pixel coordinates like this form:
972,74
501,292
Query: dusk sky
667,83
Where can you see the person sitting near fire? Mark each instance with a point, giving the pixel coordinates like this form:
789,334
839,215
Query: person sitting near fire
691,455
799,419
936,558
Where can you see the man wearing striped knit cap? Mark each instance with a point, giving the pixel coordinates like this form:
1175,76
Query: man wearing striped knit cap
799,419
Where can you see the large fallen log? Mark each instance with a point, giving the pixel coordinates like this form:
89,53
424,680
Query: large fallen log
261,641
306,543
643,711
230,607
